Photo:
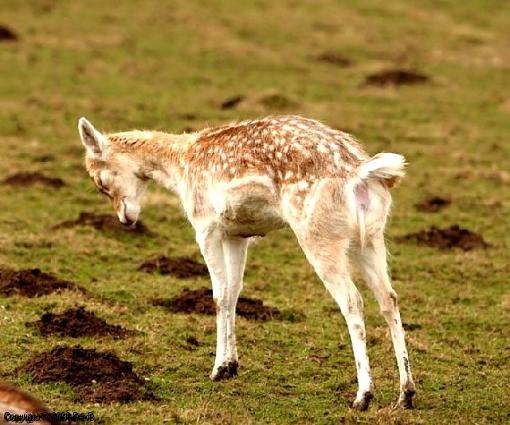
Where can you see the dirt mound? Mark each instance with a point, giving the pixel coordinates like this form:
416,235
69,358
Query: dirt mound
96,377
30,179
231,102
44,158
104,222
32,283
396,77
333,58
450,237
201,301
6,34
277,102
265,101
433,204
191,340
75,323
180,267
411,326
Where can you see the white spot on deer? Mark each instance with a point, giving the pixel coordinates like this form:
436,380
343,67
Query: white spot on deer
322,149
302,185
296,145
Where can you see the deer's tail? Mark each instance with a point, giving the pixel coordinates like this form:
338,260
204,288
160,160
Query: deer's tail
386,168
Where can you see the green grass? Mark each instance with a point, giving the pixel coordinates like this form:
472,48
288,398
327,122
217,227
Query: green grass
150,64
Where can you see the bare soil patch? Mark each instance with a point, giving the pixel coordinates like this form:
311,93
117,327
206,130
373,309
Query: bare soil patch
201,301
32,283
191,340
265,101
96,377
231,102
77,322
6,34
411,326
180,267
44,158
26,179
333,58
433,204
277,102
447,238
104,222
396,77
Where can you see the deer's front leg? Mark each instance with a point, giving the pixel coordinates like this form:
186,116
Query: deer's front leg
211,246
234,251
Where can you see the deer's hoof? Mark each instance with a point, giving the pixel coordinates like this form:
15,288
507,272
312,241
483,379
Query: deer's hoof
363,402
225,371
407,399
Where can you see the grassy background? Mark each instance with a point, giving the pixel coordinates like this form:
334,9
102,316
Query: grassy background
169,65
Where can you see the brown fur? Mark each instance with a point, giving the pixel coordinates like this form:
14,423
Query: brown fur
289,148
16,401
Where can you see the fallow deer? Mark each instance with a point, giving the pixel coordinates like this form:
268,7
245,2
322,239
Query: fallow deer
248,178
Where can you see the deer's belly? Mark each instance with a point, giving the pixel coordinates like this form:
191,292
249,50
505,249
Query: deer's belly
252,215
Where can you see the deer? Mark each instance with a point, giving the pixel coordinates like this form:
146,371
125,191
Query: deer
245,179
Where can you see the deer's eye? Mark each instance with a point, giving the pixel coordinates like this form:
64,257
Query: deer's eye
98,182
101,187
106,192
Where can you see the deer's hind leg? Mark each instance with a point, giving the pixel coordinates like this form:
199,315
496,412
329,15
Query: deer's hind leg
327,252
373,265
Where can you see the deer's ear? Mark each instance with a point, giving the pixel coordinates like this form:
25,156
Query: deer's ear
94,141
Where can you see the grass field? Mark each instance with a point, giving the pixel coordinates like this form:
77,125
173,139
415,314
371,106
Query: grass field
169,66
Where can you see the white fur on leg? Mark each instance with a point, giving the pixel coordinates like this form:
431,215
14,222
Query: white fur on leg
351,305
212,250
234,250
374,268
331,265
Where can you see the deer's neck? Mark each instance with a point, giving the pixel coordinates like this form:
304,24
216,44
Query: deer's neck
157,156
